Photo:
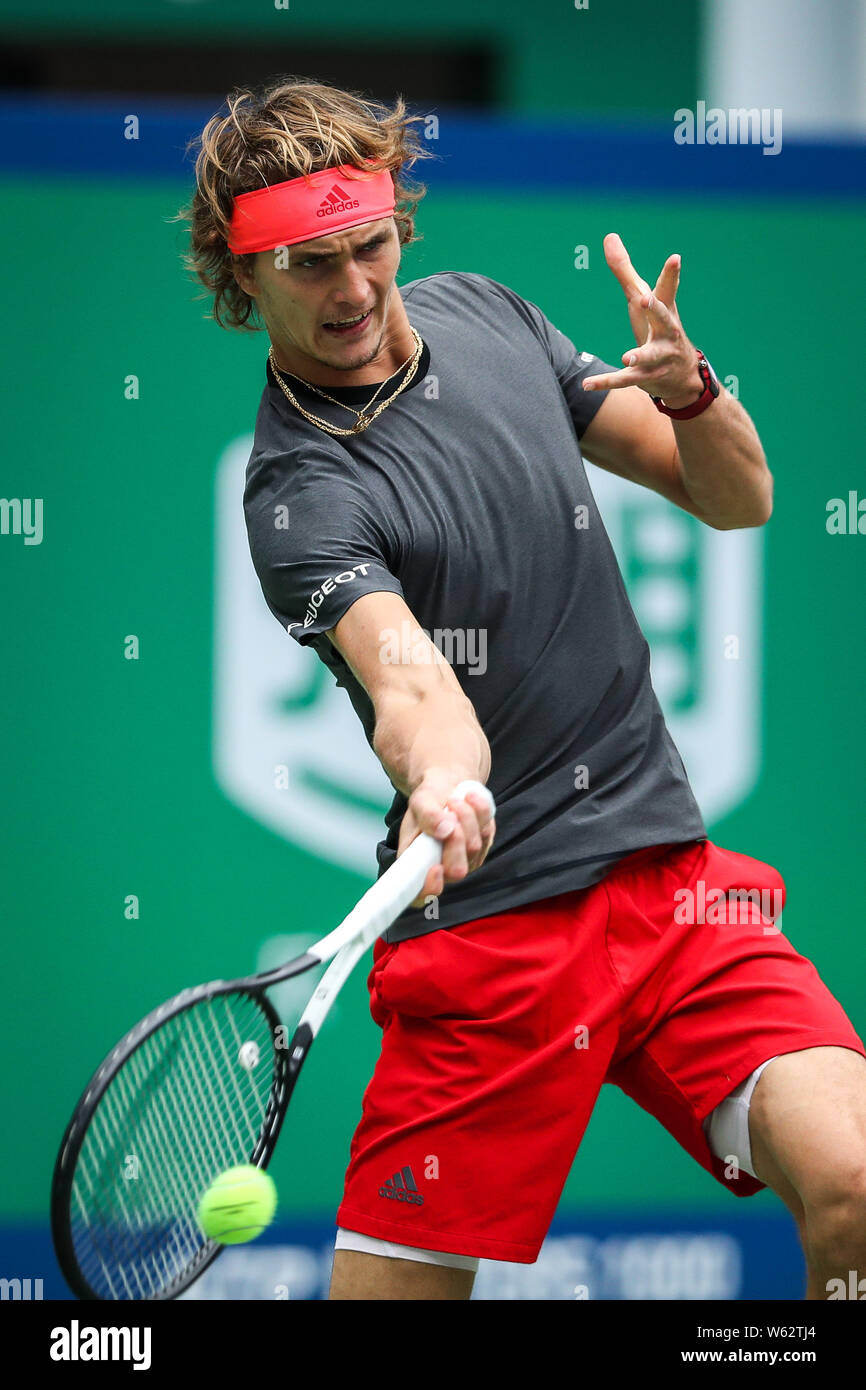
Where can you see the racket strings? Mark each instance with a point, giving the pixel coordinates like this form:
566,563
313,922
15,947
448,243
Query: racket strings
181,1109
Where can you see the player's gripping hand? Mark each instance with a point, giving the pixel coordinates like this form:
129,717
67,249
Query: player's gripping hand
465,827
664,363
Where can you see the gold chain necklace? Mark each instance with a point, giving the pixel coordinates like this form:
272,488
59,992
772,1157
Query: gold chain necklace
364,420
311,386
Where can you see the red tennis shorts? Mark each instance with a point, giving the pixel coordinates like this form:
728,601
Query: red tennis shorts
664,979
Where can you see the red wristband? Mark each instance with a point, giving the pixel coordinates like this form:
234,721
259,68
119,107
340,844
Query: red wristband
705,399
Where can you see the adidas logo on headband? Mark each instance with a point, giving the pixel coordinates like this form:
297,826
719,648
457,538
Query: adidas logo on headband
338,200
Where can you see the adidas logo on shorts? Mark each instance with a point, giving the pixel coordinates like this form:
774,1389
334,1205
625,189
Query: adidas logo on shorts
402,1188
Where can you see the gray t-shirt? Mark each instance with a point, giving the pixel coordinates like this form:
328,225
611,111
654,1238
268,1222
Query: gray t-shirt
468,497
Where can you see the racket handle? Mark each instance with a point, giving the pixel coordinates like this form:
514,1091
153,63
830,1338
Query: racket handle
425,851
395,890
460,792
406,876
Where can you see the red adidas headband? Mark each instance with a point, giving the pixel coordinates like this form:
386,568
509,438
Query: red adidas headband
314,205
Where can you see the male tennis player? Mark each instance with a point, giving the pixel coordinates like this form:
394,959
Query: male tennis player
418,473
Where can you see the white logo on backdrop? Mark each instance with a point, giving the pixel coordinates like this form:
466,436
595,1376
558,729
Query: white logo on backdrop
697,595
276,706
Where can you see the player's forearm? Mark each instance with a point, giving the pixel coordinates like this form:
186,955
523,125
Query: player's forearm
437,729
723,466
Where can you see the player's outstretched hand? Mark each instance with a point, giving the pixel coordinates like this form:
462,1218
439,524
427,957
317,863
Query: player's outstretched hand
465,827
664,363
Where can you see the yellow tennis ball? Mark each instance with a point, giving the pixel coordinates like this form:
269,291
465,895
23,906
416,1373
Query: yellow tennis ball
238,1205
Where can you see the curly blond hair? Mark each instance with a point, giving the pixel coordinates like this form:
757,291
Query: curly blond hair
268,135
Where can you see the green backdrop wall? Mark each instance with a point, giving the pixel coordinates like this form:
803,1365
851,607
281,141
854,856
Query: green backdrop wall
109,782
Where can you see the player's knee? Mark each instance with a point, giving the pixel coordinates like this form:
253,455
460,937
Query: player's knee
835,1210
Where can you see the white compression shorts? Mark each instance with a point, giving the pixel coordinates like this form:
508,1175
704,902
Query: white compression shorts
727,1131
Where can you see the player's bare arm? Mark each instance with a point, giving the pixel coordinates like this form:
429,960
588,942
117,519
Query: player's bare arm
712,466
427,736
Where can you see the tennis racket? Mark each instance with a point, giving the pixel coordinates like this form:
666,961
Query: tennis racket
199,1085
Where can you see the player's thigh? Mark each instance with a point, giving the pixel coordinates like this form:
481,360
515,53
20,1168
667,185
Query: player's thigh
358,1275
807,1126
